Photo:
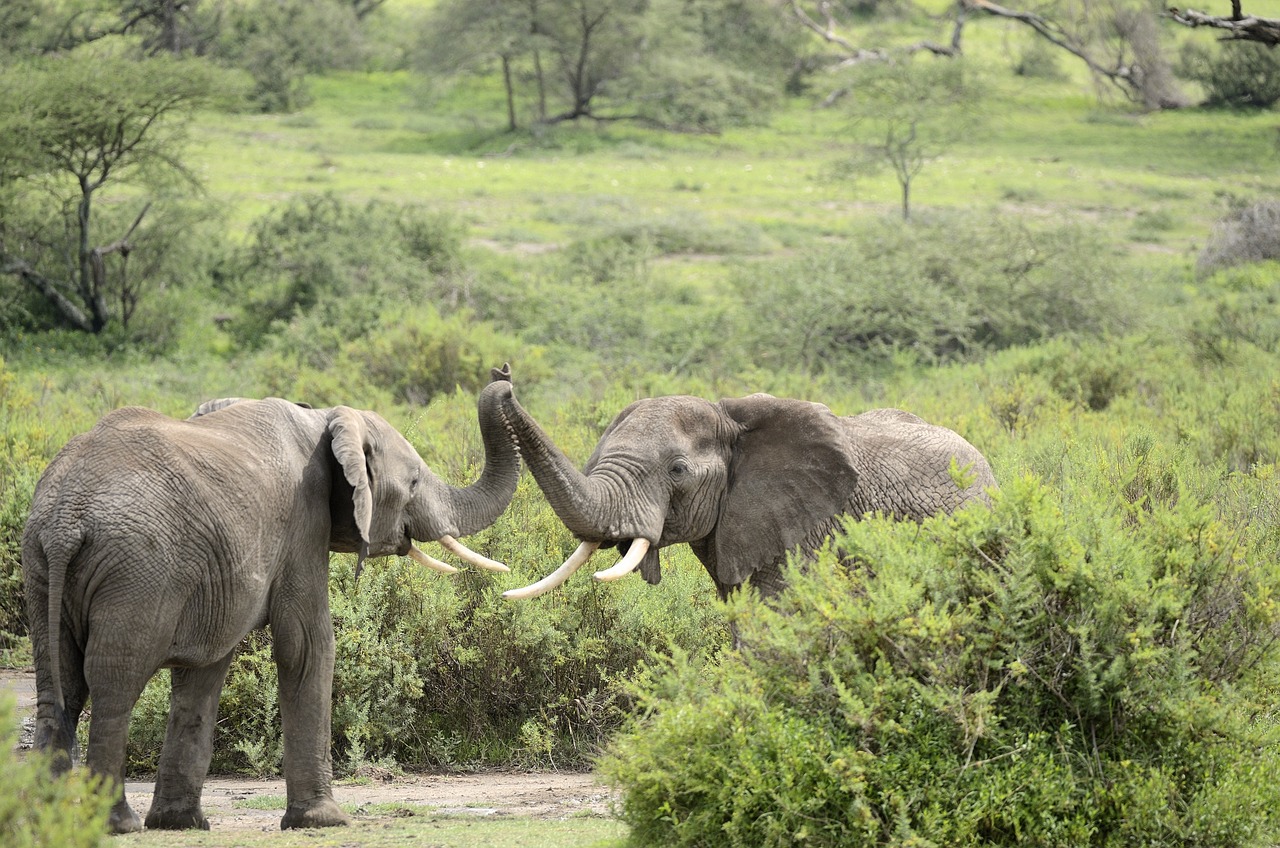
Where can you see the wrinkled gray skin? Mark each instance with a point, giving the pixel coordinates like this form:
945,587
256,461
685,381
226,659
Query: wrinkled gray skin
746,480
157,543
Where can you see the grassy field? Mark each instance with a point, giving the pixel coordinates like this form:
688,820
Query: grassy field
1045,149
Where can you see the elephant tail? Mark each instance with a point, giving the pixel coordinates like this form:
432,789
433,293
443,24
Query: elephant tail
56,564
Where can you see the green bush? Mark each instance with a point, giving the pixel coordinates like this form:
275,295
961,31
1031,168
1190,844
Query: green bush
1244,235
947,289
340,264
605,311
1233,74
421,354
279,43
37,810
1014,676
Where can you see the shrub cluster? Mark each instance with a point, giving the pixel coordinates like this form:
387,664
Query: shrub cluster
943,290
1248,233
1014,676
1233,75
37,811
348,264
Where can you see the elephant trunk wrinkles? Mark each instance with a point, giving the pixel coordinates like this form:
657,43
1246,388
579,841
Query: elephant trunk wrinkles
577,499
477,506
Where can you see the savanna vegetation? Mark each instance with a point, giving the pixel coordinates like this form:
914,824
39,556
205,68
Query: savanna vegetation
1084,285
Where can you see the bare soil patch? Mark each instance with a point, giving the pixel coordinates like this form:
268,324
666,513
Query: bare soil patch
234,803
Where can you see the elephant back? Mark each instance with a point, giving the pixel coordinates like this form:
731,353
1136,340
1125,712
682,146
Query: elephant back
905,466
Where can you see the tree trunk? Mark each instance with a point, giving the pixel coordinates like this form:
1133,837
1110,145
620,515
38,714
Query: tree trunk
542,86
511,94
93,297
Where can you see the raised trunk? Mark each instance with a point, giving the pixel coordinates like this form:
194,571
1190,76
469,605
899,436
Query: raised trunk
576,498
477,506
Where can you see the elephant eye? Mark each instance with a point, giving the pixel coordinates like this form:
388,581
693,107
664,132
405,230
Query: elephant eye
679,468
413,485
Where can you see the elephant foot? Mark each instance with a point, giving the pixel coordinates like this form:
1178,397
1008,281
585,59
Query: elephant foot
123,819
321,812
59,738
177,818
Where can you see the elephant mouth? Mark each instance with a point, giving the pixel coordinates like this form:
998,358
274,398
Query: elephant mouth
634,553
453,546
648,565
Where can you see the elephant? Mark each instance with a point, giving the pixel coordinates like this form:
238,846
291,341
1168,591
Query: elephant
742,481
159,543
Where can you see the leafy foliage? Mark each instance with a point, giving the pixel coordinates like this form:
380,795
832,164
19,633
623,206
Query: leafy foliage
945,289
279,43
1010,676
697,66
906,114
70,126
322,256
38,810
1234,75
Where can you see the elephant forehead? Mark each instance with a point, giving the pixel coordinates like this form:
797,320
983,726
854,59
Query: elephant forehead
671,417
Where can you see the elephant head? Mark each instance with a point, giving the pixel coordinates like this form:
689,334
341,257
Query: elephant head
391,497
742,481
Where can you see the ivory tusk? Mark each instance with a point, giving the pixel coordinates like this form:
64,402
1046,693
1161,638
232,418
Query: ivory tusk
430,562
465,554
629,563
575,561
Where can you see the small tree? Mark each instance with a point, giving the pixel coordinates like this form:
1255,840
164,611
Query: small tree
279,42
910,113
462,34
69,126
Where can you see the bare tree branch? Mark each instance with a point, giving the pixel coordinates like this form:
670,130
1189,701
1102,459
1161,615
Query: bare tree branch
1119,73
45,286
828,31
1238,27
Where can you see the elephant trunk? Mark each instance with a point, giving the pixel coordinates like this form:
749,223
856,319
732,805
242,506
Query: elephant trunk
578,500
477,506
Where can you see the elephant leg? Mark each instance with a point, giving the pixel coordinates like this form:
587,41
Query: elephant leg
113,688
55,727
304,653
188,746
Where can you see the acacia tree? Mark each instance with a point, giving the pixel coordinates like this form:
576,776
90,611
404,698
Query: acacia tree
1117,40
462,35
69,126
687,64
905,114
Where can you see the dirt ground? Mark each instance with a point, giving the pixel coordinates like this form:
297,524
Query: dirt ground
548,795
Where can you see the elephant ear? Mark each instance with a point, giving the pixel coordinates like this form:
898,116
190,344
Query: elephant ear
350,445
791,472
